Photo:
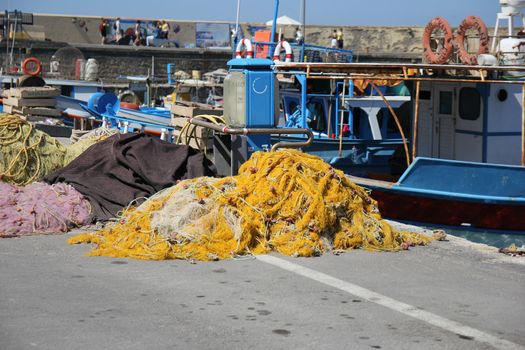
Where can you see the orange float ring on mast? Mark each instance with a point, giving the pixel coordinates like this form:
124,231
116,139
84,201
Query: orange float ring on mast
27,70
468,23
441,56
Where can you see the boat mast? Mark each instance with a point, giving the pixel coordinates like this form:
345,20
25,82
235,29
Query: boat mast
237,22
274,25
303,20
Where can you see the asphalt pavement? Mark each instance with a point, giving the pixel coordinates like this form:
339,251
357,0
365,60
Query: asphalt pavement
448,295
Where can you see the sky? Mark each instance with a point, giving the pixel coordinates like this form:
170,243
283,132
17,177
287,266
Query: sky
319,12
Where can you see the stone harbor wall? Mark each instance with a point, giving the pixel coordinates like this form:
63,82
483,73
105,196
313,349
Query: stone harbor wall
115,62
193,45
390,41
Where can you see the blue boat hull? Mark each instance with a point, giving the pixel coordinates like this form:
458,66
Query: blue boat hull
455,193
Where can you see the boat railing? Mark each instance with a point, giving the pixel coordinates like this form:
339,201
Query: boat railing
125,125
307,53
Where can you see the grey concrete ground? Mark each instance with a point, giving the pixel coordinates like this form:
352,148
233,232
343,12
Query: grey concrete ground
54,297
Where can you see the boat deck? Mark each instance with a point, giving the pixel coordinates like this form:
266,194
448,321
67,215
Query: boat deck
366,182
448,295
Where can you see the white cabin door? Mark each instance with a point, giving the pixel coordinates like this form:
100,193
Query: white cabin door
425,128
469,124
444,128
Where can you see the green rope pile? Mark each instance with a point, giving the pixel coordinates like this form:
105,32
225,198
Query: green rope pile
27,154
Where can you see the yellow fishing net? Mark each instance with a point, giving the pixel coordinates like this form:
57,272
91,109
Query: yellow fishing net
285,201
28,154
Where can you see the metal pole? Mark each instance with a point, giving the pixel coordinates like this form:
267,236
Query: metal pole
236,31
416,121
303,20
274,25
221,128
341,122
523,124
152,67
237,18
6,29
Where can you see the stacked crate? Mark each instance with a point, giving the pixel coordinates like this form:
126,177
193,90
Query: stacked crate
31,101
181,111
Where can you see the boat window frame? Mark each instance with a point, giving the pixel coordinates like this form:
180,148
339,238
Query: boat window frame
446,107
463,111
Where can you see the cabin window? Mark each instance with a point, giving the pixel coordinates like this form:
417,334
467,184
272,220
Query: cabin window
424,95
445,102
502,95
469,103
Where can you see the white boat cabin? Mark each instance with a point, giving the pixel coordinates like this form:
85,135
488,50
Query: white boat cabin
476,122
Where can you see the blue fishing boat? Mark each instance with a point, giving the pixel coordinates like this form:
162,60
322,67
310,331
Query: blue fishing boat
455,193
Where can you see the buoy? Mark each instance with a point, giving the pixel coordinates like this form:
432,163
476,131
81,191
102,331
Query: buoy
249,49
441,56
287,49
479,25
129,105
104,103
28,62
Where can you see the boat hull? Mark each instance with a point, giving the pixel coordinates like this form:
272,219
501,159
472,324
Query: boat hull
454,193
451,212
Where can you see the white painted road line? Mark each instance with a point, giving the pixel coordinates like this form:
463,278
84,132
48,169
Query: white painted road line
392,304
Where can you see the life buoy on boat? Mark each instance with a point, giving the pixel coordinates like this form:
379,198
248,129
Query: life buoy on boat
475,23
442,55
249,48
129,105
287,49
27,69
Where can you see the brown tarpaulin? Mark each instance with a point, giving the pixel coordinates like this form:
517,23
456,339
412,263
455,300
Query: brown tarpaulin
122,168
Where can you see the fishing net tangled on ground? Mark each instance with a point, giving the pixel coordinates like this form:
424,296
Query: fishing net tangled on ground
27,154
285,201
86,141
41,208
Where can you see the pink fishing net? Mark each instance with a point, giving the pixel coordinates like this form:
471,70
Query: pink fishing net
41,208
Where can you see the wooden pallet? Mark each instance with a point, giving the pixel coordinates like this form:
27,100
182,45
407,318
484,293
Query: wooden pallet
32,92
29,102
192,109
41,111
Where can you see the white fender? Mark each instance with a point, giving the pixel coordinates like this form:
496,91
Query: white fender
249,48
287,50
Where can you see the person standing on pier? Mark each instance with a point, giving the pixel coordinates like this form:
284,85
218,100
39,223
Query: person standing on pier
339,37
138,33
103,29
298,36
118,30
165,29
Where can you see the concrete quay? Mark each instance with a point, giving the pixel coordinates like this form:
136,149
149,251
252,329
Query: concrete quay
448,295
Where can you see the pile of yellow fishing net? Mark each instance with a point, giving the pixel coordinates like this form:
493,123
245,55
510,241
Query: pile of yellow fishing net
27,154
285,201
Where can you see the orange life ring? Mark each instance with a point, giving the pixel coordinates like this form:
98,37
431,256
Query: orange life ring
27,70
129,105
441,56
476,23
